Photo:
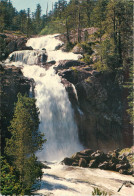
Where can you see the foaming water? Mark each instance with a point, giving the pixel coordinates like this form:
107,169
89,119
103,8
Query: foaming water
30,57
56,114
38,56
50,43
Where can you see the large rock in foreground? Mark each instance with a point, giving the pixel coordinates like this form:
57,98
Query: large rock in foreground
111,161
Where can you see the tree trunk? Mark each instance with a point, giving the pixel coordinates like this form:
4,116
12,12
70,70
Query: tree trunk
78,29
67,29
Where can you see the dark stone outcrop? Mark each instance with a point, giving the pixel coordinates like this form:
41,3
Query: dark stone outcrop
68,161
98,159
13,43
82,162
104,165
47,65
99,105
66,64
16,45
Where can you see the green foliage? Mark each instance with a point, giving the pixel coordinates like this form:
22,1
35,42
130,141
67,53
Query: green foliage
129,153
24,142
9,181
108,59
98,192
87,59
86,47
69,46
130,85
52,28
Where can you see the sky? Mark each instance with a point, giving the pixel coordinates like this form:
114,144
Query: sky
24,4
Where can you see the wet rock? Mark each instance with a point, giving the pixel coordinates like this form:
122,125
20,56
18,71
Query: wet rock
130,172
46,167
86,152
104,165
99,156
77,156
82,162
123,171
59,46
93,164
75,164
123,159
66,64
115,160
122,166
68,161
112,166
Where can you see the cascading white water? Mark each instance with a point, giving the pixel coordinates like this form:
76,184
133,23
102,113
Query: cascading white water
50,43
30,57
56,114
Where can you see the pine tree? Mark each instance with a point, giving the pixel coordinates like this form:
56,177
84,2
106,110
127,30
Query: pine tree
38,18
25,141
9,182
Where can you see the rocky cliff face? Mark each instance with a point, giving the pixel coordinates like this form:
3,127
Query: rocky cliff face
12,43
12,82
99,106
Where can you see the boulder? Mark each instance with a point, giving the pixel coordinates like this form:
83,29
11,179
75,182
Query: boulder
123,171
93,164
122,166
66,64
99,156
104,165
68,161
114,160
75,164
82,162
77,156
123,159
130,172
78,50
46,65
46,167
112,166
87,152
74,75
59,46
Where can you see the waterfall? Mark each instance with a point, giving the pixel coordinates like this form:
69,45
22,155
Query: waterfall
56,114
30,57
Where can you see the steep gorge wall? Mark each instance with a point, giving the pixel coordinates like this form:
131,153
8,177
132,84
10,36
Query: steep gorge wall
100,108
12,82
